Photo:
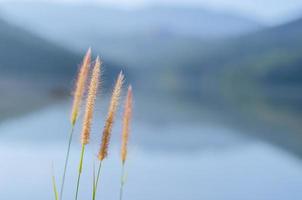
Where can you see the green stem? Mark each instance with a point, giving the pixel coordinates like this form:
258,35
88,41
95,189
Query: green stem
66,161
93,181
80,170
97,181
54,185
122,181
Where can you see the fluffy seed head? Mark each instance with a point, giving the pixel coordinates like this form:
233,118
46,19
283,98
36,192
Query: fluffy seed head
93,87
126,124
110,117
80,86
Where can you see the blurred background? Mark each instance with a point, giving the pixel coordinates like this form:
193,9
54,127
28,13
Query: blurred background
217,90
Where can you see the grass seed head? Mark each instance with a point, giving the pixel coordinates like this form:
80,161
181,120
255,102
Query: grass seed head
80,86
126,124
110,117
92,92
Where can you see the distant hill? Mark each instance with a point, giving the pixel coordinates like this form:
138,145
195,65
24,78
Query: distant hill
256,78
270,58
130,37
273,55
35,72
24,55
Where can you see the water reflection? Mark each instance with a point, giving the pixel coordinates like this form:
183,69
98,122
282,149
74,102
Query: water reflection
196,161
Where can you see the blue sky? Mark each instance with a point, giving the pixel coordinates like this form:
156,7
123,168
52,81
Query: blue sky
269,11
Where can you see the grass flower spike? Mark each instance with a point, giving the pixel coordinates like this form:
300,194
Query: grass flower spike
93,87
92,92
126,124
78,96
103,152
110,117
80,86
125,135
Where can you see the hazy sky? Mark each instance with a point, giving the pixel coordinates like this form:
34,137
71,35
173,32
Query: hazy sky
271,11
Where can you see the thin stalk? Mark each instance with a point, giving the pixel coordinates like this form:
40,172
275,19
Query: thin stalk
97,181
122,181
93,179
54,185
66,161
80,170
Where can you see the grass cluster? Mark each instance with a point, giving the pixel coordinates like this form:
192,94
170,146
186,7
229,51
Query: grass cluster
88,82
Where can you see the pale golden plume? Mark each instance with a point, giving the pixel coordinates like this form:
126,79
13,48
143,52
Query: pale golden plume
93,87
80,86
126,124
110,117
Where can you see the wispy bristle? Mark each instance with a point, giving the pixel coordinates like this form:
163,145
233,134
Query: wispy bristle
110,117
80,86
93,87
126,124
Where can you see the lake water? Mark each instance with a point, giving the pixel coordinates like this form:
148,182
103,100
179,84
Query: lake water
179,161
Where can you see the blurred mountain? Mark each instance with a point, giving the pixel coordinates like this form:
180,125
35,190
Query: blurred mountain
33,71
31,57
270,57
131,37
254,79
271,60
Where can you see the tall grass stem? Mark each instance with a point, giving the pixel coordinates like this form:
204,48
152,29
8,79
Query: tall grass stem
97,181
54,185
93,181
66,161
122,181
80,171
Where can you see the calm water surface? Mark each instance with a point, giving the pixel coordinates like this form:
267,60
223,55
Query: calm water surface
179,161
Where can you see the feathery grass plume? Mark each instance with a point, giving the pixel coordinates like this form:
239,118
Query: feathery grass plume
126,124
80,86
103,152
93,87
110,117
125,135
78,95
